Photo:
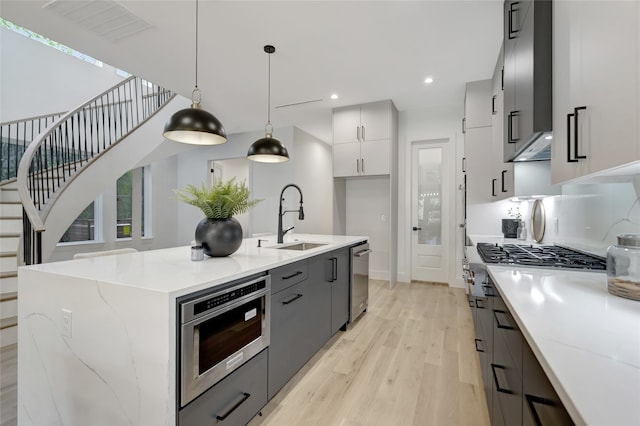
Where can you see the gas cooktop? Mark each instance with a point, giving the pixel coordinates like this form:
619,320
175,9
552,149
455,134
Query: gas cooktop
540,256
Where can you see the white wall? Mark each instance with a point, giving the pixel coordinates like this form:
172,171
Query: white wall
416,125
36,79
309,167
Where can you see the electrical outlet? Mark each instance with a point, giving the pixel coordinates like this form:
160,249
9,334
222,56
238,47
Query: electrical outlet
66,323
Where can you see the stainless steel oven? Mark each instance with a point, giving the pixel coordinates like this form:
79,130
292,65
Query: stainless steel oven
219,331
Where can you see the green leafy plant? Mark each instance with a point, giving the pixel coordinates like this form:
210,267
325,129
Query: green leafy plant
222,201
514,213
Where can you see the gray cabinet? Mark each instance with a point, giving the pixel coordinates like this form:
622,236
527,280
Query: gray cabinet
527,74
234,400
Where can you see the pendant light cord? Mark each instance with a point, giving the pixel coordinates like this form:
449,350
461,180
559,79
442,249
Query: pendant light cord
196,44
269,91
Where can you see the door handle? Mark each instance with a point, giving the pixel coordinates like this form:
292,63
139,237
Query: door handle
493,187
512,31
417,228
494,111
503,188
510,138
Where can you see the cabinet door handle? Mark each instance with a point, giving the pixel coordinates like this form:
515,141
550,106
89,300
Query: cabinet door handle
575,133
292,299
464,164
531,399
493,187
502,79
478,305
510,137
498,324
512,10
494,111
244,397
503,187
464,125
569,159
362,132
495,378
362,162
488,291
476,342
358,133
335,269
295,274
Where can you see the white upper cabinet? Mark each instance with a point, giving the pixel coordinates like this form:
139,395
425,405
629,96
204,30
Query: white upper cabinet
363,137
477,105
367,122
595,87
502,175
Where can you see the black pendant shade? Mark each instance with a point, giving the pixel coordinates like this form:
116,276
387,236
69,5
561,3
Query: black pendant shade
268,149
195,126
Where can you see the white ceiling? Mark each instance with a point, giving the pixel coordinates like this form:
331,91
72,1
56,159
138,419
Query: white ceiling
362,50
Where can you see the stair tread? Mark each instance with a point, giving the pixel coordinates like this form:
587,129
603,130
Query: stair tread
10,295
8,322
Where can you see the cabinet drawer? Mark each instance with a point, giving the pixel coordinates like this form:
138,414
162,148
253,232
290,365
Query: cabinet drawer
234,400
288,275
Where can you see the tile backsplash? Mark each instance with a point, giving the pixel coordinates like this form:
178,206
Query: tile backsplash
584,215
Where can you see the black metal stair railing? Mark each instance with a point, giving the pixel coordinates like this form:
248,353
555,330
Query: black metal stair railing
74,141
15,136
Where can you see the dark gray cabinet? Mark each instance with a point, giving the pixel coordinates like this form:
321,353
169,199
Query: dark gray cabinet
527,74
517,389
309,303
234,400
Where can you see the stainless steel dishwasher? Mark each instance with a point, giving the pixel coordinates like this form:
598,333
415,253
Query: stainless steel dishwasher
359,280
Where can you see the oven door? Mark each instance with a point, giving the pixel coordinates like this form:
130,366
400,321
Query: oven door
216,344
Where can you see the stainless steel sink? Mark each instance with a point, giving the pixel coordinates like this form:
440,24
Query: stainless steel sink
300,246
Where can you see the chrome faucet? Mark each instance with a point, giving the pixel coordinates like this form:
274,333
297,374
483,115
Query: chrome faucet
281,213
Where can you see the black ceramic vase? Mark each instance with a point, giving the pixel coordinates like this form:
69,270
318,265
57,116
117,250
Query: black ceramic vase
219,237
510,228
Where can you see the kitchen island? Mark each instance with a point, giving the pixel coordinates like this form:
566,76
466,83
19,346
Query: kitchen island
97,337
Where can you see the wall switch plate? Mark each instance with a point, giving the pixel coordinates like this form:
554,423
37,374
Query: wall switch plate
66,323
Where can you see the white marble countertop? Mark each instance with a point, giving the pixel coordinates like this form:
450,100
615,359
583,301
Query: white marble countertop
587,340
173,272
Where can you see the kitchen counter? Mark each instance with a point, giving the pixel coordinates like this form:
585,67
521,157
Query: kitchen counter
97,336
587,340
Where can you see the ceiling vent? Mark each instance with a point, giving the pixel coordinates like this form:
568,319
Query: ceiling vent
103,17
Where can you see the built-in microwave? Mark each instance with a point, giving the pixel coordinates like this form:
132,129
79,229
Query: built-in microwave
219,331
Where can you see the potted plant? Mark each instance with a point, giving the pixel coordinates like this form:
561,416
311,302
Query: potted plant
510,226
219,233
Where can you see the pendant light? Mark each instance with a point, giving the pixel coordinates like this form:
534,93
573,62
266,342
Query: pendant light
195,125
268,149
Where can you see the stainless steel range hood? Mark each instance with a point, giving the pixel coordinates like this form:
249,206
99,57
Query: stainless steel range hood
539,149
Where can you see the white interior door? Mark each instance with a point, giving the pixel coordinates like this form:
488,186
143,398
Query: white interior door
430,211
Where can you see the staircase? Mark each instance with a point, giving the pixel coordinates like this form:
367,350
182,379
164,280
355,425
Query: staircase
41,156
10,229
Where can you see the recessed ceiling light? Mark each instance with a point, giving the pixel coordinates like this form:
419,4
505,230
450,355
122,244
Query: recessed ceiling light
428,80
334,96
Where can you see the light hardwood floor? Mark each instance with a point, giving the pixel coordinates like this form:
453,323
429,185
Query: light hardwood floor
409,360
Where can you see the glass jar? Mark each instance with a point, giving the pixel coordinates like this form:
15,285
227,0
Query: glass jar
623,267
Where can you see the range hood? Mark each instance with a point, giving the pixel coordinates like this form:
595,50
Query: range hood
538,150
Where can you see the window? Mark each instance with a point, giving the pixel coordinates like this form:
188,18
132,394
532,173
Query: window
124,205
87,226
146,201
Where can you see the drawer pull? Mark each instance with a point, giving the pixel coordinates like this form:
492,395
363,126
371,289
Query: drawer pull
495,378
479,306
293,299
498,324
531,399
478,349
471,305
295,274
245,396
